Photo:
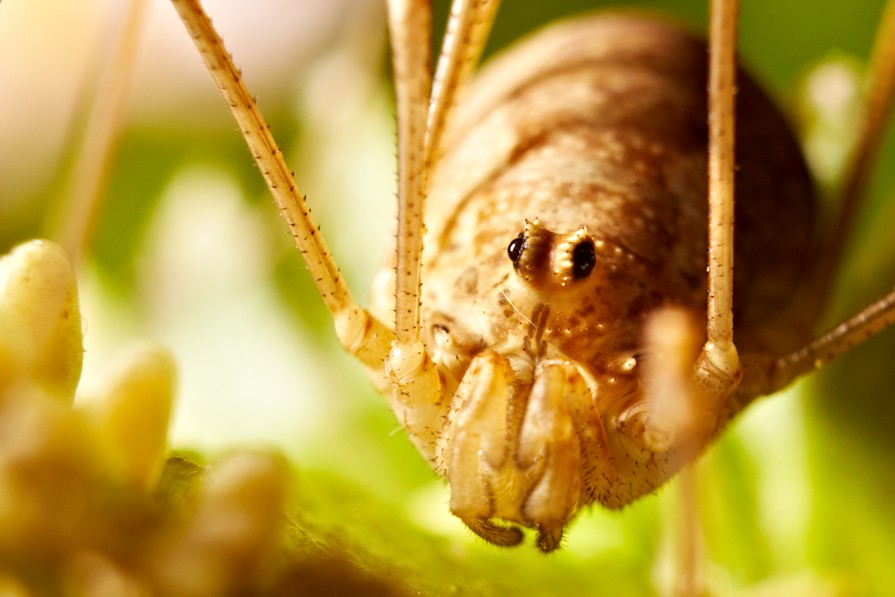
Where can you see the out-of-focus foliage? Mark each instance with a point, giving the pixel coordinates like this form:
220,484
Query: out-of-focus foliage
85,506
189,253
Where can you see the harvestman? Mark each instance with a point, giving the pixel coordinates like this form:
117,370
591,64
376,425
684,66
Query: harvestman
545,369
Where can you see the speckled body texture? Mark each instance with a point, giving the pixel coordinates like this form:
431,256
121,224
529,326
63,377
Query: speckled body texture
598,122
602,122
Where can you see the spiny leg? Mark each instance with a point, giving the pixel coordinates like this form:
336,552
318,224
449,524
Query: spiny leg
361,334
464,40
675,422
410,31
400,355
767,377
418,402
418,390
690,558
719,352
681,416
421,123
717,369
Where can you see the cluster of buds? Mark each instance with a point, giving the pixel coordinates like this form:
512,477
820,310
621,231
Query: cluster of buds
89,502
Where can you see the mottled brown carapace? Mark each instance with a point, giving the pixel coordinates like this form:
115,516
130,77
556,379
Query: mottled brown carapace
571,330
601,122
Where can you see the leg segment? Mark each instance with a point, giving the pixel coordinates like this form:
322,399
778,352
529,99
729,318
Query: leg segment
410,29
675,414
75,225
467,31
722,82
717,368
768,375
417,395
420,125
394,358
360,333
690,559
680,414
417,386
418,399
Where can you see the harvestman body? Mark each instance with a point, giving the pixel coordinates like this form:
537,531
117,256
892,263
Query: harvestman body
589,143
549,358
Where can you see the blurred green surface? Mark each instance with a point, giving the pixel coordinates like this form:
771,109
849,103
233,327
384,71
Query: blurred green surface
796,497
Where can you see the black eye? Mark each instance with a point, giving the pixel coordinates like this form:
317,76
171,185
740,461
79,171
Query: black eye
583,259
515,248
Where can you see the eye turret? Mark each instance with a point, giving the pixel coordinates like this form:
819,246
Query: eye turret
546,259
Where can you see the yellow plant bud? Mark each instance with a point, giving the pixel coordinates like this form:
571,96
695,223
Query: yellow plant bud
243,501
91,574
48,473
234,532
133,411
39,307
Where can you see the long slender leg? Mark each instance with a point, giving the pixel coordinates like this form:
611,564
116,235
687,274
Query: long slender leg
398,356
769,376
418,402
418,392
675,418
467,31
879,97
690,558
687,406
722,81
410,29
361,334
718,369
84,188
863,326
420,125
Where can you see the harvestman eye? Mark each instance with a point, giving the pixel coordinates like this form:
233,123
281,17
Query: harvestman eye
515,248
584,259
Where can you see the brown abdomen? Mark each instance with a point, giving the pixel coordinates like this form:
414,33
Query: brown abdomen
602,121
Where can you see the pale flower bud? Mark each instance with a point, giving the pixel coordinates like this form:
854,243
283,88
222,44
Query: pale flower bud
39,311
132,414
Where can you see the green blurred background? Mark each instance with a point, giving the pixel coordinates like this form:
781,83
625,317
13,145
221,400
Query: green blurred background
189,252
